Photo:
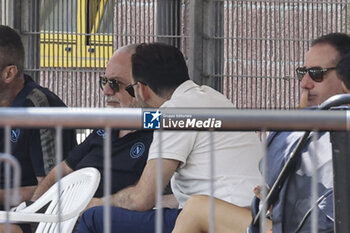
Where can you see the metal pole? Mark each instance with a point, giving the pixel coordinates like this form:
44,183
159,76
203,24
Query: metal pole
9,12
27,18
213,49
3,12
58,151
212,186
341,186
169,22
195,63
159,190
206,50
107,150
347,17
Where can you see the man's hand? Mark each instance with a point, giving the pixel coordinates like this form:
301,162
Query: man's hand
25,193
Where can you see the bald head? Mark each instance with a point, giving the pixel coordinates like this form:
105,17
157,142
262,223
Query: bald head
119,69
127,49
120,63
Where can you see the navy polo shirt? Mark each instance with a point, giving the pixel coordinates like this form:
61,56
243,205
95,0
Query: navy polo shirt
129,156
35,148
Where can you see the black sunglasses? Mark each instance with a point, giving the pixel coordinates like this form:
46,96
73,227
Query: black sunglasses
130,89
316,73
113,83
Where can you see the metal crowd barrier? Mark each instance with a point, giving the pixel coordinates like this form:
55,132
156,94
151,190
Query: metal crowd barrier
232,119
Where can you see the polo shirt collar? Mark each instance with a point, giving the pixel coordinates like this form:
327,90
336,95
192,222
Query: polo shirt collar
29,84
183,88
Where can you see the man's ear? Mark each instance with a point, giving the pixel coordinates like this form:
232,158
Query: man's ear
145,91
9,73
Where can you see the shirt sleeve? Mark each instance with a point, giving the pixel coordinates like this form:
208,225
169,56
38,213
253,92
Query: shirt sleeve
175,145
80,151
42,151
69,141
43,143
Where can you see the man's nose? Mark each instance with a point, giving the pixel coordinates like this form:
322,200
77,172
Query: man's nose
307,82
107,90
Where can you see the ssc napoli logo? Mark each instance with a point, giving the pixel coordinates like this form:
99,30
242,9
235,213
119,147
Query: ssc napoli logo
137,150
15,135
100,133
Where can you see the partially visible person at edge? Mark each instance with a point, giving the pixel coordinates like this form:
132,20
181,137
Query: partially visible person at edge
34,148
319,81
160,79
129,148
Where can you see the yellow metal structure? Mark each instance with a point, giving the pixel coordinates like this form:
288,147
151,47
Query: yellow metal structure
84,47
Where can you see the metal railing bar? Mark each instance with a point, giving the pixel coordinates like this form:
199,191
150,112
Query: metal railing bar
264,168
159,189
314,181
212,188
107,147
7,176
58,151
131,118
14,198
287,1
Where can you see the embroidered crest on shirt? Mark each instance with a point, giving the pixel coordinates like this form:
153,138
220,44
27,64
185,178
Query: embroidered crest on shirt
15,135
137,150
100,133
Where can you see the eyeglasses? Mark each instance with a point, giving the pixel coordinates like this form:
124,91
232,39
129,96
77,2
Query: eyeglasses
316,73
130,89
113,83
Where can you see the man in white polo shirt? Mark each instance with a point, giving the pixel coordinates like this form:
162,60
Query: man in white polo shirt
160,79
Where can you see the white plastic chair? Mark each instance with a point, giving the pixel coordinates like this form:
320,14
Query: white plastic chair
76,191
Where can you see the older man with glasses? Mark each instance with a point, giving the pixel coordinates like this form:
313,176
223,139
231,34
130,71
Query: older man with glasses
129,148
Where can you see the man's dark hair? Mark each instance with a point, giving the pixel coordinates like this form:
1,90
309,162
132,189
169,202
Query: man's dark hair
343,70
11,49
162,67
340,41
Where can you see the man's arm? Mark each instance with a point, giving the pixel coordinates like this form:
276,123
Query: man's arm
169,201
49,180
142,196
24,191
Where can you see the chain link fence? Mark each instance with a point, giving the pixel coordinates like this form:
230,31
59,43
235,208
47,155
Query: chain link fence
256,44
